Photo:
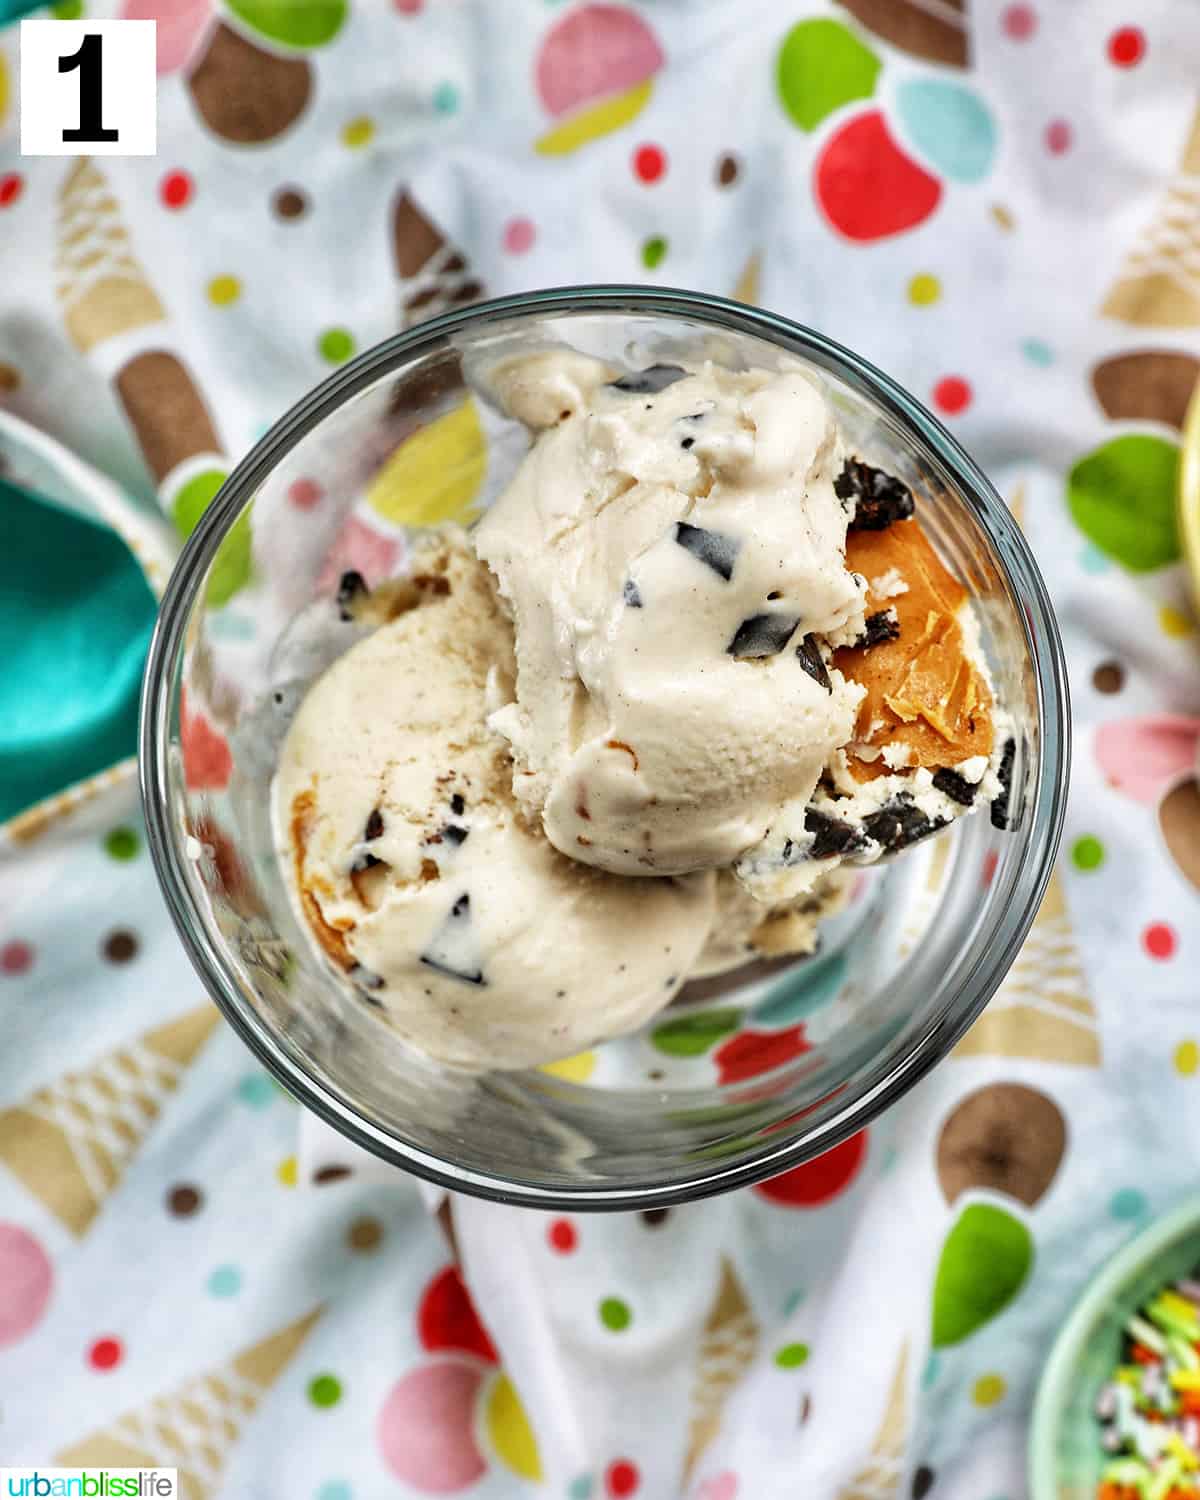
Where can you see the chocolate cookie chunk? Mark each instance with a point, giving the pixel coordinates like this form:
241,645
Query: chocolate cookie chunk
762,635
713,548
1002,804
879,627
879,498
954,786
900,823
649,381
830,835
808,654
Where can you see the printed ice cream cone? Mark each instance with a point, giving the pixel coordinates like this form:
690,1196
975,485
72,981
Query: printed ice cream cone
194,1429
245,94
101,286
70,1142
1042,1010
747,286
1159,284
434,275
167,412
727,1349
1148,384
880,1475
594,74
37,820
933,29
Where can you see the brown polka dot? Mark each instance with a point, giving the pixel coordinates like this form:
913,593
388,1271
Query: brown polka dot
805,1410
10,377
1002,217
184,1200
654,1216
656,1075
728,168
922,1482
1006,1137
330,1174
1109,677
120,946
365,1235
290,203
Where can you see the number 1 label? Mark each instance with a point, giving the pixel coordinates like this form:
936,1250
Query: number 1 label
89,59
88,88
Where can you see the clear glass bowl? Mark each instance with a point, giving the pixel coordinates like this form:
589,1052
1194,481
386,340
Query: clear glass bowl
745,1075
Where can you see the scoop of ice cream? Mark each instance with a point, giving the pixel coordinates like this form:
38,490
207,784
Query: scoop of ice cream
419,874
672,554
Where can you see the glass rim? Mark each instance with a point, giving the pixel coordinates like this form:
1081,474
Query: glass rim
892,1076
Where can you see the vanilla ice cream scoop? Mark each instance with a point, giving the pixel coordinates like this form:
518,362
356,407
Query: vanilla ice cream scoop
672,552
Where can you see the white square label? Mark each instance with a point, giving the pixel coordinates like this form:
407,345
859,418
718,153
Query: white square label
88,88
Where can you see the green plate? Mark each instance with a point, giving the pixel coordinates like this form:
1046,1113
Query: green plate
1065,1458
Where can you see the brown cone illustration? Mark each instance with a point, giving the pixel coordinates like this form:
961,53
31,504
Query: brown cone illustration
70,1142
102,288
244,94
1042,1010
933,29
727,1351
1179,820
880,1475
1159,284
194,1429
168,413
747,286
1150,384
434,275
1006,1137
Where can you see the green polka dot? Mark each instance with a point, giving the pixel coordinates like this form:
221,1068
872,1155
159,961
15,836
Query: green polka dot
791,1356
822,65
692,1036
1122,497
122,843
654,252
984,1263
231,566
615,1314
336,345
445,98
1088,853
309,25
325,1390
67,10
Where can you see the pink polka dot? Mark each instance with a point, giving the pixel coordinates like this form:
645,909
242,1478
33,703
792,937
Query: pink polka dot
26,1277
649,163
16,958
1159,940
409,7
519,235
1019,22
425,1430
1127,47
722,1486
105,1354
562,1236
952,395
305,493
1059,137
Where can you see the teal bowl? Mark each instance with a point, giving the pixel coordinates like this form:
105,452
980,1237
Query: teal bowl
1065,1458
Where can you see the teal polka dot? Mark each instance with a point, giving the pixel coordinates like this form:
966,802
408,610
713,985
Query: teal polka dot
335,1489
580,1488
256,1090
793,1301
929,1375
1092,560
225,1281
890,1157
445,98
1128,1203
1037,353
799,997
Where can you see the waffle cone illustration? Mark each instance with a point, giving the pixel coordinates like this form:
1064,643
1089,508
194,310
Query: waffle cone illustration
747,286
1159,284
1042,1010
101,285
727,1350
1147,384
434,275
245,94
70,1142
880,1475
935,30
43,816
194,1429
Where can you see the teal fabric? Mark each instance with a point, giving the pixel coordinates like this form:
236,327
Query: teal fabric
76,614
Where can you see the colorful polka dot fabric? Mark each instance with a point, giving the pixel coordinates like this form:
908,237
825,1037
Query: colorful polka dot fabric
996,202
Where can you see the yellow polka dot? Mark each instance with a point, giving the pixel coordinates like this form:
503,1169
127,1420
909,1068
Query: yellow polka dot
358,132
286,1171
3,87
1187,1058
1174,622
223,290
435,474
1002,217
989,1389
510,1432
924,290
577,1069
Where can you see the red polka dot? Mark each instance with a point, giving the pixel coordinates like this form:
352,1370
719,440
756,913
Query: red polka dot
952,395
409,7
519,235
16,958
988,873
1159,940
105,1354
622,1478
305,493
1019,22
819,1180
1058,137
11,185
562,1236
176,190
1127,46
751,1053
446,1318
649,163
